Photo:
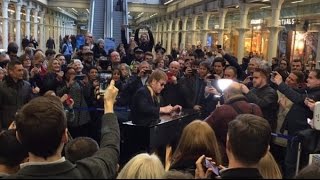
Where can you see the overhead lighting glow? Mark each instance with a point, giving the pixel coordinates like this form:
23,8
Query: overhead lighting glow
293,2
88,10
74,10
264,7
139,15
153,15
170,1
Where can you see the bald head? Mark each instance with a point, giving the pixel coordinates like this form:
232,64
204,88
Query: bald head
233,90
174,67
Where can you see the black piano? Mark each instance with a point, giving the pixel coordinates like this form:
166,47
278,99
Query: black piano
138,139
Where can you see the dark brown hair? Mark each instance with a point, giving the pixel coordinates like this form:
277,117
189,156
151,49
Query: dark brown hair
249,137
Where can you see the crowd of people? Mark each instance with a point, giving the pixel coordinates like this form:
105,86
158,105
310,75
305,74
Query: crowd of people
60,112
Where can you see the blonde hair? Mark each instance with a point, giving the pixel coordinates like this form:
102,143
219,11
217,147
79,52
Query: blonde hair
50,65
39,56
197,139
143,166
269,168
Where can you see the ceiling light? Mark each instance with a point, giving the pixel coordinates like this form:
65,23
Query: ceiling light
88,10
74,10
170,1
299,1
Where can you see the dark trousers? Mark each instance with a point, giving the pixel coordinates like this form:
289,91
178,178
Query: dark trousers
291,159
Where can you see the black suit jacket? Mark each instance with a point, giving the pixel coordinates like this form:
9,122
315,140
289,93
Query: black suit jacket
102,165
145,109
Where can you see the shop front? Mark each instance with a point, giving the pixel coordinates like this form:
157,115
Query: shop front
297,41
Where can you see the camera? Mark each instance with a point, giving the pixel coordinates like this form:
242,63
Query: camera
104,80
79,77
104,63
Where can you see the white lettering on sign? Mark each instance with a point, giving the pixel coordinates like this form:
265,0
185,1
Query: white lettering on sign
256,21
288,21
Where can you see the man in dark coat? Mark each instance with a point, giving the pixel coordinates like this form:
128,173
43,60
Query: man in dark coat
144,43
14,93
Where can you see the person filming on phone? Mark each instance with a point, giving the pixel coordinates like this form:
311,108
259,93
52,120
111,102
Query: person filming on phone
145,109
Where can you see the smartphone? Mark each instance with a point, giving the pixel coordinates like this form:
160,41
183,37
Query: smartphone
148,71
208,164
80,77
219,46
194,71
104,81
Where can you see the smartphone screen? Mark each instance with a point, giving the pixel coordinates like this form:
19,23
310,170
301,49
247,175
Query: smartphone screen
214,168
104,81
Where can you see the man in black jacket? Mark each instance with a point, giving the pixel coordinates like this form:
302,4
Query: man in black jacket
296,119
263,95
14,93
42,128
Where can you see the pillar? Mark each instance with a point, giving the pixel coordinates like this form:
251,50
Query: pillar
244,9
222,18
169,42
42,35
35,26
108,25
28,10
10,27
184,32
160,32
5,33
157,34
274,29
176,34
318,50
164,34
18,25
206,18
194,30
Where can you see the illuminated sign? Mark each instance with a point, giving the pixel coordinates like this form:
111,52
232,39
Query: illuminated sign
256,21
288,21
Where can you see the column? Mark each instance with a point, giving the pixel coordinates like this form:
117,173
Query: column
5,34
42,35
176,34
244,9
194,30
164,35
206,18
11,27
28,10
160,32
157,33
35,20
318,49
184,32
222,17
169,42
18,25
108,25
274,29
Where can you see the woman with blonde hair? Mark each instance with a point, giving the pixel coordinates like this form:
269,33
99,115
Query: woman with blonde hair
269,168
143,166
197,139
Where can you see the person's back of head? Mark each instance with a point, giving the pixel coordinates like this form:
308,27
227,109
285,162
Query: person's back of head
194,143
177,175
311,171
42,126
269,168
12,48
143,166
248,139
80,148
12,153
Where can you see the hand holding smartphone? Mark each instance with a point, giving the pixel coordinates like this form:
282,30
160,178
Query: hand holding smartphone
209,165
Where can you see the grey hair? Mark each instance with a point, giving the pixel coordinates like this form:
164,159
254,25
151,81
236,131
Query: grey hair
100,41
